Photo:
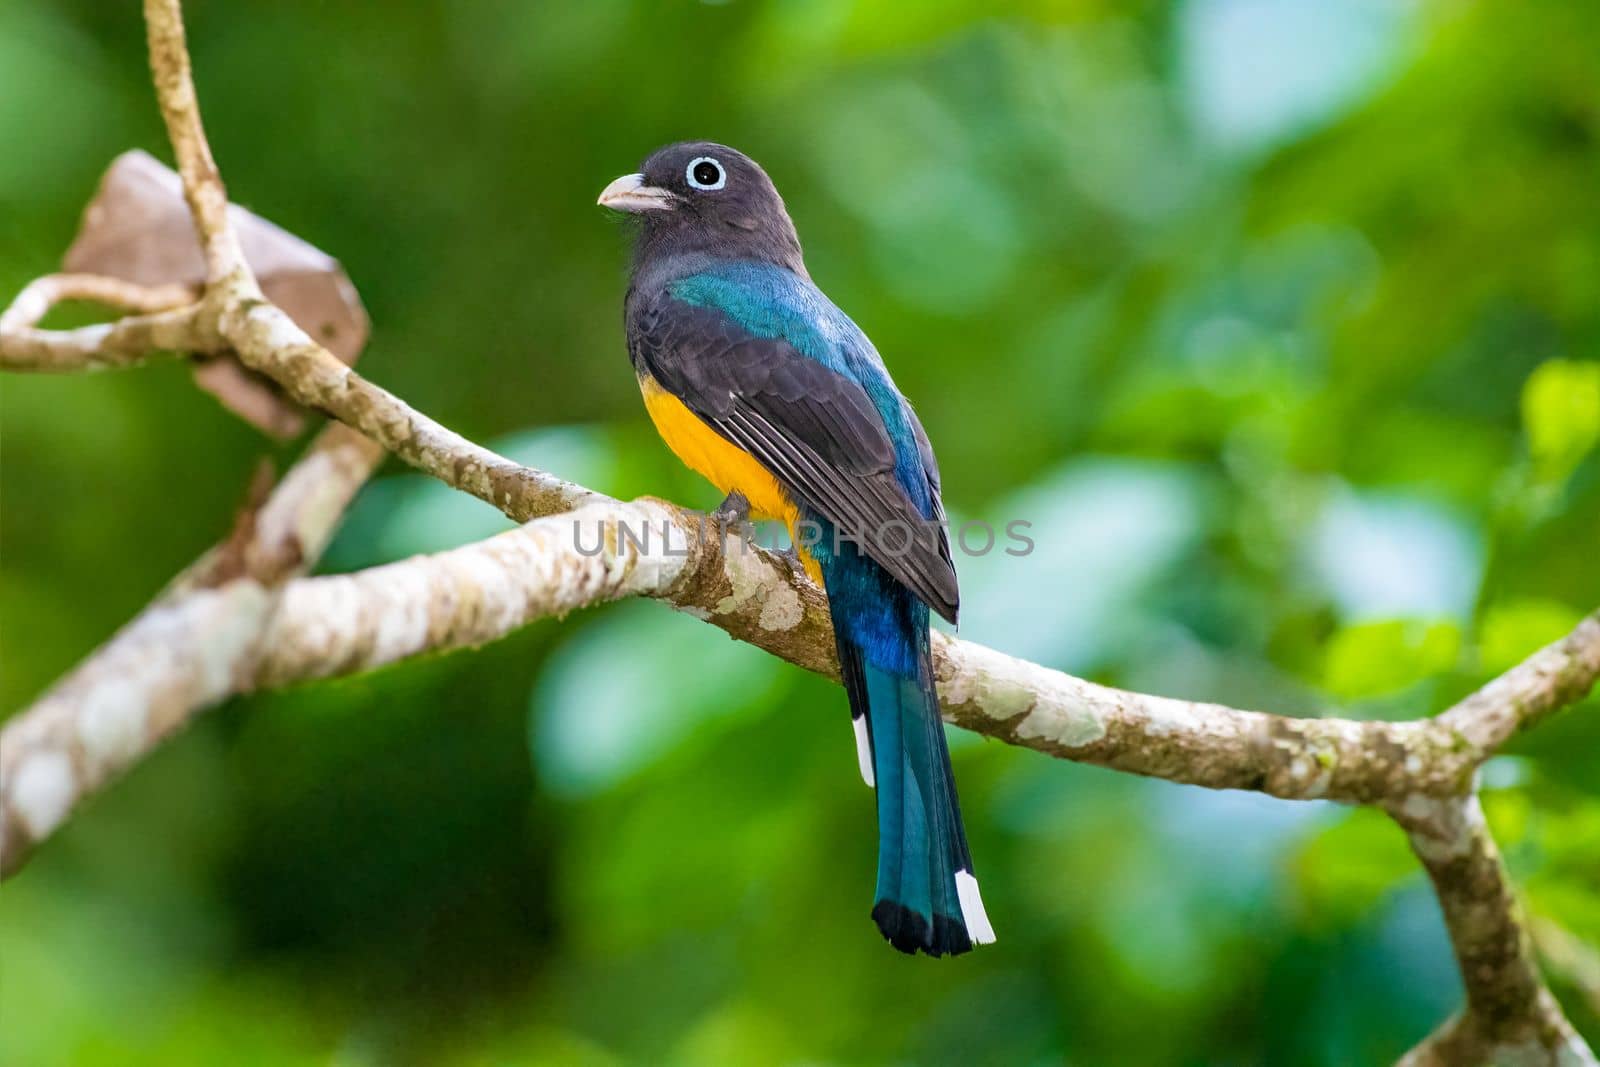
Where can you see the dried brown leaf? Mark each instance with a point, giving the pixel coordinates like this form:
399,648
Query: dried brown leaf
138,228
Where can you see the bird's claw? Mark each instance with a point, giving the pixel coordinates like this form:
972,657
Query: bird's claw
734,510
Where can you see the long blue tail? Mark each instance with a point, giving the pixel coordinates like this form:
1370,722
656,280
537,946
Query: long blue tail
927,898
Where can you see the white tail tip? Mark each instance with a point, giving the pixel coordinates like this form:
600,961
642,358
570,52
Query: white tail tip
972,913
864,751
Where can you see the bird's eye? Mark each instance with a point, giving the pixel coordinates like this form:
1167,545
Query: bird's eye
704,172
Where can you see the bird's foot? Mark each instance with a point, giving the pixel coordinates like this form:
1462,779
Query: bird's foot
734,510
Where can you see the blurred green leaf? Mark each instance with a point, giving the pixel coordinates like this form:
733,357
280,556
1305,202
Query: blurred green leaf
1343,872
1566,850
1512,630
1374,658
620,691
1561,413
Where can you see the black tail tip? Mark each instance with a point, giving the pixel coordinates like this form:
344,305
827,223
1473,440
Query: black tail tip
911,933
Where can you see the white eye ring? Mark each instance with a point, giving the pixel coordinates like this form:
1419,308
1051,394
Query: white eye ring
722,173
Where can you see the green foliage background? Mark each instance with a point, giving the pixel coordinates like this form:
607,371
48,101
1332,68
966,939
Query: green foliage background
1278,320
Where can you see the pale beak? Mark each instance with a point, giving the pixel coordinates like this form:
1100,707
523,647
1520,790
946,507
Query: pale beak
630,193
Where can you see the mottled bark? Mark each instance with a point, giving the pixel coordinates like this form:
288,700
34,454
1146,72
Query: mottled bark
268,341
1510,1017
180,111
1559,675
191,648
168,322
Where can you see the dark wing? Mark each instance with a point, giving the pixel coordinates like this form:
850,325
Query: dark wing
813,428
930,470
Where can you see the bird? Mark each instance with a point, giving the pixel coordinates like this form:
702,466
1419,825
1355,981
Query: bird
759,383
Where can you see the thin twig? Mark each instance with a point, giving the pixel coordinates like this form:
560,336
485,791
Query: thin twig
39,296
170,321
180,110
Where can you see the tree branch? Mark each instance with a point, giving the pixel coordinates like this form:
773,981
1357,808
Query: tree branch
180,110
475,594
192,647
471,595
1558,675
268,341
608,549
170,321
236,625
1510,1017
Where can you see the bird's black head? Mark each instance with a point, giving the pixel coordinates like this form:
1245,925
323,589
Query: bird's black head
699,196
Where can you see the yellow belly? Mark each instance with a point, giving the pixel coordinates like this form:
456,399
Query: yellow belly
721,462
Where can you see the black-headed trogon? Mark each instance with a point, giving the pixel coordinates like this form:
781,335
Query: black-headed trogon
758,382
